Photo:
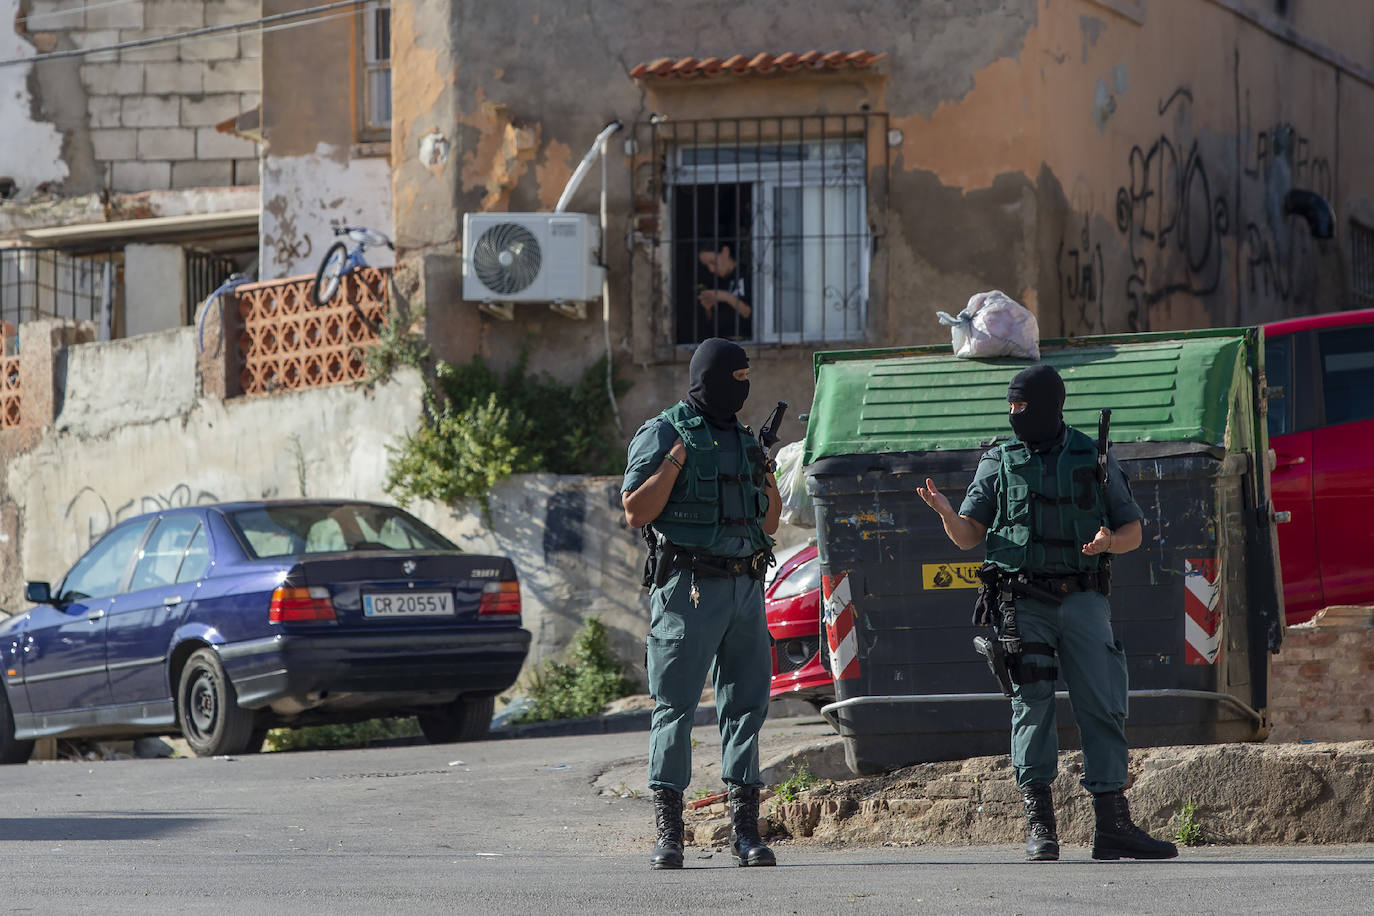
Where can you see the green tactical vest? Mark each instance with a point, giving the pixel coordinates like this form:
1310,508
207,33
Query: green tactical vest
692,517
1016,540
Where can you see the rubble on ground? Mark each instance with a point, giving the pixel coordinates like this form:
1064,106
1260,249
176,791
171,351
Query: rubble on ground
1239,793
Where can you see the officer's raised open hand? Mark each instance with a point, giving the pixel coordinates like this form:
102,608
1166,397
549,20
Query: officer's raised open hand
965,532
934,498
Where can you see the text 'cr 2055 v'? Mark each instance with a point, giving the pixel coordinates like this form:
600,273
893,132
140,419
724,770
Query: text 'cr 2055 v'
220,622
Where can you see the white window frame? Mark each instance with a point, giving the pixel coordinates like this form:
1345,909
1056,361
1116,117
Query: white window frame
376,75
837,162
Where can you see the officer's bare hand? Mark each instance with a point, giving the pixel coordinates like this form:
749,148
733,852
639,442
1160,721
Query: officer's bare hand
1101,543
934,498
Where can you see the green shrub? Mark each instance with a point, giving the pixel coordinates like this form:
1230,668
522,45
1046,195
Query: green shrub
352,734
590,679
481,426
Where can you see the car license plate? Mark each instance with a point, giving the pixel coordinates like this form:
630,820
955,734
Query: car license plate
408,604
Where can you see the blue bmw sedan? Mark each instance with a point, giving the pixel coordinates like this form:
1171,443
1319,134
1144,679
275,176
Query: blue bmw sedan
219,622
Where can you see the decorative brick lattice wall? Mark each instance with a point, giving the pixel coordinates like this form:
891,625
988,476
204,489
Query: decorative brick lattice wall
9,391
1322,682
287,342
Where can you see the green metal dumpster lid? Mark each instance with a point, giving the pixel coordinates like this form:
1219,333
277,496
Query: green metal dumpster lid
1161,387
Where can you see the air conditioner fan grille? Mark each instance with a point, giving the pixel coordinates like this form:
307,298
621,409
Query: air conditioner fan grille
506,258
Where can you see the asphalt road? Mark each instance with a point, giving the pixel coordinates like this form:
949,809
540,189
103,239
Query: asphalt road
516,826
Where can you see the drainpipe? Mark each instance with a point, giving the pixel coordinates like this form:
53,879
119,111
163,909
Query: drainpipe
598,149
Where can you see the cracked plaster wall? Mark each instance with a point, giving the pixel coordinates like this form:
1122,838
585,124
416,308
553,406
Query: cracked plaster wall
1114,166
316,174
303,197
31,151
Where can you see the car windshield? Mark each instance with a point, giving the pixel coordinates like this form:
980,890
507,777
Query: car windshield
279,531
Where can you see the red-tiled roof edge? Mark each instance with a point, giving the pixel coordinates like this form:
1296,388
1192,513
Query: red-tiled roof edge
742,65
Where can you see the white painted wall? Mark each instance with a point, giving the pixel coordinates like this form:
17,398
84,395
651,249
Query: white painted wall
304,197
154,286
30,150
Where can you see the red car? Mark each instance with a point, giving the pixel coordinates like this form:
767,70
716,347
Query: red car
792,603
1322,434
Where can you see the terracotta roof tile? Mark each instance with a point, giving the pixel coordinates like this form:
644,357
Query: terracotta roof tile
742,65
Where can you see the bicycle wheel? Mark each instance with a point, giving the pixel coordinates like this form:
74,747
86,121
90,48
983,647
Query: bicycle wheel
330,273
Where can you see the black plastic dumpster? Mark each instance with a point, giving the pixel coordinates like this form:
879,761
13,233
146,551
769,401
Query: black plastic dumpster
1198,606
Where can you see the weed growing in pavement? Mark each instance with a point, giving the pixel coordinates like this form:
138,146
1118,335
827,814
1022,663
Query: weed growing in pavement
791,788
1189,830
625,791
696,743
580,687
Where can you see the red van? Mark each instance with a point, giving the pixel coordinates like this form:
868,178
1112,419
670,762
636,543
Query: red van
1322,434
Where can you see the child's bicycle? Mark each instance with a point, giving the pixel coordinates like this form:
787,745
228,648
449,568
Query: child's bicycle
340,259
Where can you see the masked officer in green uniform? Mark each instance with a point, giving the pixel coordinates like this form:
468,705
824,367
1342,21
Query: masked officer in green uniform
702,479
1046,517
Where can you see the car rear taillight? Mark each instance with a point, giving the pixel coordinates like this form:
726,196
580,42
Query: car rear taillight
293,605
500,598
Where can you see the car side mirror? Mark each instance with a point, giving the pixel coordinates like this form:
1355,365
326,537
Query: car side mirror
38,593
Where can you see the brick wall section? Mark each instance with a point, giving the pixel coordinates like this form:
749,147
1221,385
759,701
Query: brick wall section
153,110
1322,681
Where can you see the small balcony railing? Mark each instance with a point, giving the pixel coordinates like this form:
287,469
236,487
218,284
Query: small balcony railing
287,343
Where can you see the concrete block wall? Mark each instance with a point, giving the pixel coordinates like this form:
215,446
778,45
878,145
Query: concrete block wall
152,111
1322,680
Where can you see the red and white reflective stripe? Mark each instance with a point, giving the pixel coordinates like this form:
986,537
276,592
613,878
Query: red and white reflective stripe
1202,612
839,627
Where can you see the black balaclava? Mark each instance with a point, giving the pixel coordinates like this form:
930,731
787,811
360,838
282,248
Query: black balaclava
715,393
1040,424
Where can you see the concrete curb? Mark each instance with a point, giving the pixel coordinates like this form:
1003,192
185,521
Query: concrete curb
637,721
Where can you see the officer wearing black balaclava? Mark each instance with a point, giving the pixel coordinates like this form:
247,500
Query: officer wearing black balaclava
1047,519
700,478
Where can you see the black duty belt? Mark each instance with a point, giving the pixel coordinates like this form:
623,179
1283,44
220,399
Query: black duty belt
1064,585
709,567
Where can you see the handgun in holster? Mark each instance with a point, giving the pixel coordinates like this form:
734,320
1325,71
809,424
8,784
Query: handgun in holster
994,608
651,562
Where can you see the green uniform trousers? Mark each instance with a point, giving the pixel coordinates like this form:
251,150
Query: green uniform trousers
727,627
1094,669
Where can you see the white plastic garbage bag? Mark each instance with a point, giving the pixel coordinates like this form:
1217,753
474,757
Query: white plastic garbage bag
797,507
993,324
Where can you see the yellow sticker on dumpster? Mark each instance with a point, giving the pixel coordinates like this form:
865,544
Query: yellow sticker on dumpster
949,575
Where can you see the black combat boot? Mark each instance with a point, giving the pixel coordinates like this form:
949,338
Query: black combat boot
745,841
1042,842
1117,836
668,818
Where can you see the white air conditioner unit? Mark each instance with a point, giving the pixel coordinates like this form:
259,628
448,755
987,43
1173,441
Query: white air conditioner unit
530,257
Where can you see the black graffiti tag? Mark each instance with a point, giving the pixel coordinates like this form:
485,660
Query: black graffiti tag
1174,226
93,510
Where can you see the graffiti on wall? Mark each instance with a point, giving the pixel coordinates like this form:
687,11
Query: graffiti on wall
1280,259
1082,279
1180,201
92,515
1174,221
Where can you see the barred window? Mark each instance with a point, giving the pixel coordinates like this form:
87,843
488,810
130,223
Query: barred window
1362,265
764,233
53,283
